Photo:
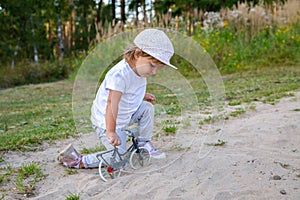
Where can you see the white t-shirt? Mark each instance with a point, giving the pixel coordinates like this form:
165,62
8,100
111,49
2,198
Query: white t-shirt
133,87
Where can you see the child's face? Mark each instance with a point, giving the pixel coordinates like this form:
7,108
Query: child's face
146,66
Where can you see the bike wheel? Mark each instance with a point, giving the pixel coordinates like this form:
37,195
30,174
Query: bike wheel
106,171
141,159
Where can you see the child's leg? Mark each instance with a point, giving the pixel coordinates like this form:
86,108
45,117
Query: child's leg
144,116
90,160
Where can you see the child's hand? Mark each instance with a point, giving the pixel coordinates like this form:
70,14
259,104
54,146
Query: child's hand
150,97
113,138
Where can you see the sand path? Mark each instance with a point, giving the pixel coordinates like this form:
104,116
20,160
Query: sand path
261,146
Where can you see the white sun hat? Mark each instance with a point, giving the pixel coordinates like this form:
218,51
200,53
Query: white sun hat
157,44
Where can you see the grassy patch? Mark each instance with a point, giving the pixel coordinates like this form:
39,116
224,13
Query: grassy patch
252,107
218,143
33,114
170,129
264,84
210,119
88,150
23,179
237,112
169,126
70,171
235,103
73,197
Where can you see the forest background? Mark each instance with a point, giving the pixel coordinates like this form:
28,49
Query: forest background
45,41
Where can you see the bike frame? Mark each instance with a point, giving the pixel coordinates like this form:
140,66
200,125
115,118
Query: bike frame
116,155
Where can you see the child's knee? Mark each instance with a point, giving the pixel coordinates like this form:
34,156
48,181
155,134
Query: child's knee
148,107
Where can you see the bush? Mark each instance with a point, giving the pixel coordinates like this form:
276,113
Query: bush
234,50
28,72
253,36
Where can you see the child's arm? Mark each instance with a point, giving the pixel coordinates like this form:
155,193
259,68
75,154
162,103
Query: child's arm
111,116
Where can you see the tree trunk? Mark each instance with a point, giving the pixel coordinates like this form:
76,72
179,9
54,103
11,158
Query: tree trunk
15,54
35,51
123,17
60,40
113,13
145,19
99,11
137,14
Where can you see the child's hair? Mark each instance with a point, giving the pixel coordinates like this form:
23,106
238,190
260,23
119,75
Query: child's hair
130,51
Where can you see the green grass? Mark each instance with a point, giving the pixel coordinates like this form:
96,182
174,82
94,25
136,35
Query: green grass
72,196
263,67
23,178
35,113
88,150
32,114
237,112
266,84
218,143
170,129
70,171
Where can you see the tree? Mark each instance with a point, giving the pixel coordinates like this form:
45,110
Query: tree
123,15
99,11
113,13
22,29
31,29
58,5
84,21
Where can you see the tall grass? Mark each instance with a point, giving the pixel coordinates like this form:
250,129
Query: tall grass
254,37
272,46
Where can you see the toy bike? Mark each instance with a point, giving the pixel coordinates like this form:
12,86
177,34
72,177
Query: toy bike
112,167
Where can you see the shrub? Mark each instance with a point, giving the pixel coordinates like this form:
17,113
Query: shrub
28,72
253,37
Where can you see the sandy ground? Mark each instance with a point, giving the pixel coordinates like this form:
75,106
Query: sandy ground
262,146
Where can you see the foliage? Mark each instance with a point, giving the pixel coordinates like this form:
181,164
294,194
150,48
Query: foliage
62,28
37,28
170,129
233,49
27,72
73,196
27,24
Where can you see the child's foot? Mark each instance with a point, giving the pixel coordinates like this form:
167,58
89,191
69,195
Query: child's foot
69,157
154,153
